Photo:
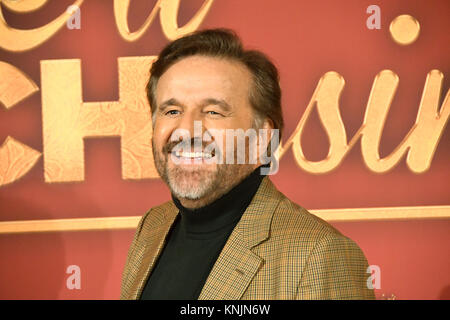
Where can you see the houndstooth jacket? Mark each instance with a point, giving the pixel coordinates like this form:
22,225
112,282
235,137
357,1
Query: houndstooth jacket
278,250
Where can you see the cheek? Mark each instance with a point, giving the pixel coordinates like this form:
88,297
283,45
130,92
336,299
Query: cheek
161,135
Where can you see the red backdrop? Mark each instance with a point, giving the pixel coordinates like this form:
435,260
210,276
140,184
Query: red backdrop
305,39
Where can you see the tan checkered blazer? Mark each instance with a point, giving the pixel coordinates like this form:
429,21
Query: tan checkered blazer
278,250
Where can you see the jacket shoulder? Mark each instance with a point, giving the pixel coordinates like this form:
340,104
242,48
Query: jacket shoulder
301,232
294,221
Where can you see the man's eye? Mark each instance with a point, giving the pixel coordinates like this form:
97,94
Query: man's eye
214,113
172,112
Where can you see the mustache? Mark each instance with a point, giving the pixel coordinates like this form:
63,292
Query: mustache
191,144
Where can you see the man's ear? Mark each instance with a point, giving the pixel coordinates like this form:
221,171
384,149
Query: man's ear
270,142
268,124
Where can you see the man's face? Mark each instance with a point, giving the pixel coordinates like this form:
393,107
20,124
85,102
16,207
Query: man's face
215,92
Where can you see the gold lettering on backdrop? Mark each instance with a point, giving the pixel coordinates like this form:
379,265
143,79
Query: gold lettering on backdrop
169,14
16,158
67,119
326,98
423,137
421,140
23,5
121,15
168,17
18,40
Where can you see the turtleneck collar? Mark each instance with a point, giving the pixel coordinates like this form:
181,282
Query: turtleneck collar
224,211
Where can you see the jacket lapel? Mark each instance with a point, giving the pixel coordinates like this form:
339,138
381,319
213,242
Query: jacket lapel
237,264
149,246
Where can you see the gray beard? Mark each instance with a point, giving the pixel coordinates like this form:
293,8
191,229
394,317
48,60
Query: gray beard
178,182
213,184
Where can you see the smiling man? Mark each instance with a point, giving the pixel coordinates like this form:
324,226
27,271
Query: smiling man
228,233
213,92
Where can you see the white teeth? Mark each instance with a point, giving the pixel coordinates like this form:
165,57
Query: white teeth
193,154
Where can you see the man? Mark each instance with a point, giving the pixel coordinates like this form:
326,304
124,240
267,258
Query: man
228,233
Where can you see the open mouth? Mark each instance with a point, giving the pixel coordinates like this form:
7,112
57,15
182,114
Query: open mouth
181,155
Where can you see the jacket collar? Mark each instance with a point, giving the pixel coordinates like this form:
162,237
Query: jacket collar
236,264
254,225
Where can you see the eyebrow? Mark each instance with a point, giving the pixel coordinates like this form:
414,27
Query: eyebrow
218,102
209,101
170,102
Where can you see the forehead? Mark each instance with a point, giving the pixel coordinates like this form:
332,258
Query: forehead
198,76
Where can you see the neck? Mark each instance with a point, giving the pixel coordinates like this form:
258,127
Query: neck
219,192
204,201
246,181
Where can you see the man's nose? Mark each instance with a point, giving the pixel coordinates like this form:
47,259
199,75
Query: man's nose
193,124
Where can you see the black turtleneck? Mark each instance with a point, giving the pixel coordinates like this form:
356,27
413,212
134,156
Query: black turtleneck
195,242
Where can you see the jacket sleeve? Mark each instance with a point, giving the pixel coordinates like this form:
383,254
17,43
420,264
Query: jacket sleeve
336,269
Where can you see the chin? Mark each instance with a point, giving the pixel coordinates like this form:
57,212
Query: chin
190,184
191,192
